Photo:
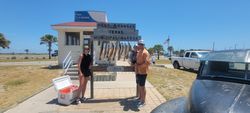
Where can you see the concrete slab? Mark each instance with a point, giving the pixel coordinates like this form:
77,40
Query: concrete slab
109,97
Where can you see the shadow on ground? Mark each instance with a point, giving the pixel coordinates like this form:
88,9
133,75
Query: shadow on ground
51,67
54,101
129,104
189,70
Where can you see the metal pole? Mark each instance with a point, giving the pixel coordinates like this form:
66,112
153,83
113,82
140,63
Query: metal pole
137,95
213,45
92,74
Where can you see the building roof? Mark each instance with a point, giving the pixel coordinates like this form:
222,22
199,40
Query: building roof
77,24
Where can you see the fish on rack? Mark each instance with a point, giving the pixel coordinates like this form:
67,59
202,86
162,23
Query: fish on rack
125,52
116,49
101,50
121,51
111,51
105,50
108,49
128,50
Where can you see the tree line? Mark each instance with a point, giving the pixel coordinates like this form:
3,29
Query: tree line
159,50
47,40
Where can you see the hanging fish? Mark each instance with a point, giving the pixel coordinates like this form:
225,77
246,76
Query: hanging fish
125,52
105,50
130,47
111,52
108,49
128,50
116,49
101,50
121,51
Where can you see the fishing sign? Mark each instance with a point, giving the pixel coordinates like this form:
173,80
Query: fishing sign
116,32
115,42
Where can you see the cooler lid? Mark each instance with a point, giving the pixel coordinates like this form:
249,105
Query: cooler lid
62,82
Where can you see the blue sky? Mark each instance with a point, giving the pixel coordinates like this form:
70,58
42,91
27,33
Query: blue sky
191,24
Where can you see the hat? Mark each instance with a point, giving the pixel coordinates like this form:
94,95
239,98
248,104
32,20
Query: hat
86,47
141,42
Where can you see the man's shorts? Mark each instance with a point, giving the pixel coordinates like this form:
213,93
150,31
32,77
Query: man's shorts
141,79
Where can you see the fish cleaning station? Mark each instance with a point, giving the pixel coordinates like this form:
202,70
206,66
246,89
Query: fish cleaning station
109,42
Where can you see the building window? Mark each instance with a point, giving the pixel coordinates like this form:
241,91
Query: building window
88,32
99,42
72,38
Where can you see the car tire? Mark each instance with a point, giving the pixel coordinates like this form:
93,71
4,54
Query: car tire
176,65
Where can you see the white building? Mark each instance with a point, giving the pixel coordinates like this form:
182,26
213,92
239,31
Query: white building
71,35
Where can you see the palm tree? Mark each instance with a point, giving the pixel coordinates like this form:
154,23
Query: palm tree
27,51
182,51
158,48
151,50
4,43
170,49
48,40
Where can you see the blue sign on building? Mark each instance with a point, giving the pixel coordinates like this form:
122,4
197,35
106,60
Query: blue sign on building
83,16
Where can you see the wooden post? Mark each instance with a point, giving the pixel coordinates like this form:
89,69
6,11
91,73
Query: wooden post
137,90
92,74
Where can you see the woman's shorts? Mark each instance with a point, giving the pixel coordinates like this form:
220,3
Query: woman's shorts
86,72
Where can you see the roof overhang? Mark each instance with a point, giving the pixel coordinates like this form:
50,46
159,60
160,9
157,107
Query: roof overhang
75,25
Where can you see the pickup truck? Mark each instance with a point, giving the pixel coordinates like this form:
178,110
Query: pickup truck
222,85
190,60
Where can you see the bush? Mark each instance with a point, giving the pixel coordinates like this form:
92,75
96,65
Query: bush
26,57
16,82
8,58
44,57
13,57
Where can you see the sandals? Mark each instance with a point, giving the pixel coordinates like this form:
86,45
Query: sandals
83,99
78,101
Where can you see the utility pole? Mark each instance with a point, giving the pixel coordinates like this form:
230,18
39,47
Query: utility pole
213,45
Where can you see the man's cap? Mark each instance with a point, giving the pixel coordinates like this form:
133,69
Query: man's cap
141,42
86,47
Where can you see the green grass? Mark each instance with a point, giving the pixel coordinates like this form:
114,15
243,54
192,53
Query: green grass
163,61
20,82
171,83
16,82
26,60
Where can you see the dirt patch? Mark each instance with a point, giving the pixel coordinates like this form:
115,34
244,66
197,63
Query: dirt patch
20,82
2,90
25,58
163,61
171,83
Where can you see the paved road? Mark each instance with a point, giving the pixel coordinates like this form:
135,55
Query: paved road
29,63
164,65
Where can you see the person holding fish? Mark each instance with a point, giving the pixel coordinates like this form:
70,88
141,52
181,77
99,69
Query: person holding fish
141,69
